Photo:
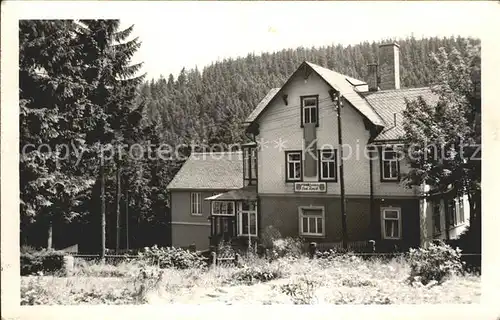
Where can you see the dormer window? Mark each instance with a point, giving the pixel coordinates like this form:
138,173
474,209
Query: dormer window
309,109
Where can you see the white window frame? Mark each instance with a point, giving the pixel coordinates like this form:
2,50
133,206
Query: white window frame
457,216
240,220
460,211
307,109
288,162
223,204
320,215
383,218
395,160
328,160
196,204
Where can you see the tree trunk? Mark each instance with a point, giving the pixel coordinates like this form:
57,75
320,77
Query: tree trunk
49,235
103,213
118,193
126,217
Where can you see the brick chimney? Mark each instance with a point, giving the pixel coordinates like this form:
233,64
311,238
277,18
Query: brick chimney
373,79
388,61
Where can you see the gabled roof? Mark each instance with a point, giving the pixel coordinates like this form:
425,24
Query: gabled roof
262,104
344,85
210,170
339,82
389,102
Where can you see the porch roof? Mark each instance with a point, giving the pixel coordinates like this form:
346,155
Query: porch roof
245,193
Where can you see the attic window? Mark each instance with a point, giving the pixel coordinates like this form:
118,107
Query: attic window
309,109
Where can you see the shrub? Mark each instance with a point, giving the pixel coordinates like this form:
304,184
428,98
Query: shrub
46,261
269,235
435,263
301,290
34,293
146,279
170,257
328,257
258,273
287,247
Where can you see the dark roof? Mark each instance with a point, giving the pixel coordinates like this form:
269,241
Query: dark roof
345,85
342,83
390,102
246,193
210,170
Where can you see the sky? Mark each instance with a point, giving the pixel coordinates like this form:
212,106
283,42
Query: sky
177,34
181,34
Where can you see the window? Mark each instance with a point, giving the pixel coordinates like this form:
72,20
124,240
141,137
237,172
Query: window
309,107
293,165
391,223
312,221
461,213
328,165
250,165
247,218
222,208
436,217
452,212
196,203
389,165
224,226
455,212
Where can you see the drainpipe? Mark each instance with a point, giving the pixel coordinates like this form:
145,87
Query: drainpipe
372,205
257,211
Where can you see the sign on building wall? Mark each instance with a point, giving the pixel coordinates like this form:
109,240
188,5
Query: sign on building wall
310,187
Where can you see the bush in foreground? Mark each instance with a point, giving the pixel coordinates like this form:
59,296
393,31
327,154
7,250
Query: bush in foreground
45,261
300,290
170,257
258,273
435,263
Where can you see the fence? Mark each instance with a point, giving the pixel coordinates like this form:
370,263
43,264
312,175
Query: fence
225,259
353,246
111,259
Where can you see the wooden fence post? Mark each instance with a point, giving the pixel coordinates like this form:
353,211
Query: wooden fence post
214,258
373,245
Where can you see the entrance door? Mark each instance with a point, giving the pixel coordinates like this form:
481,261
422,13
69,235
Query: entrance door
224,228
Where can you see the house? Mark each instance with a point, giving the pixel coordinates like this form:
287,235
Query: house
201,176
319,171
444,216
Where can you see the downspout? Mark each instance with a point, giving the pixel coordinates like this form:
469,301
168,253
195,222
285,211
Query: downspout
257,213
446,216
372,204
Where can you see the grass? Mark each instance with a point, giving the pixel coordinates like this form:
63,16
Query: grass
343,280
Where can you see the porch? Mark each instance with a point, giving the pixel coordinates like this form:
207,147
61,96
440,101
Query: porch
233,217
